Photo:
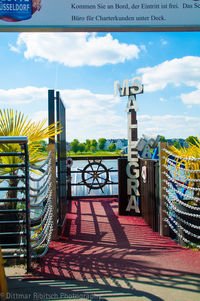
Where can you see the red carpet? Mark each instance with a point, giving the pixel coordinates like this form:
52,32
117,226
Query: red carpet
96,242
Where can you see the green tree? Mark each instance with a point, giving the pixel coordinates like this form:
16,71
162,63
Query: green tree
163,139
102,143
92,148
13,123
176,144
87,145
94,144
81,147
75,145
43,145
192,140
112,147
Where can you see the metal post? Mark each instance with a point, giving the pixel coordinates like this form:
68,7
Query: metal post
163,226
122,186
51,112
51,148
69,187
27,208
61,156
58,159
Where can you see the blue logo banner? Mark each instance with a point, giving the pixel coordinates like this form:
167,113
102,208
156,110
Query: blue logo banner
15,10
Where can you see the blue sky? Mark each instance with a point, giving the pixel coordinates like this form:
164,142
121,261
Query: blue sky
84,67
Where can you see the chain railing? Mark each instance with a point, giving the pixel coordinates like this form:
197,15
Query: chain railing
182,199
41,208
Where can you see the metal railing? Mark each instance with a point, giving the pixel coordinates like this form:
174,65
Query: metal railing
91,179
26,197
41,208
182,205
14,199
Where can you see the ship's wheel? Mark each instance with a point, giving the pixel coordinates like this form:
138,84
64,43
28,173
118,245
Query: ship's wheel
95,175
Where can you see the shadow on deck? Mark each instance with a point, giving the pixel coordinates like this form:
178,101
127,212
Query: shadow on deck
98,246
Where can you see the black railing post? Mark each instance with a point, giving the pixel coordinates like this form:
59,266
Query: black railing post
27,197
51,112
122,186
61,156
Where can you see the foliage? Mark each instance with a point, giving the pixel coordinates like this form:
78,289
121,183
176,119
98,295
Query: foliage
93,144
191,140
43,145
75,145
14,123
176,144
163,139
97,153
102,143
87,145
112,147
192,152
81,147
92,148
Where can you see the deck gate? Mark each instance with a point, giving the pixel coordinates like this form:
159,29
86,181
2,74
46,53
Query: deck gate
149,192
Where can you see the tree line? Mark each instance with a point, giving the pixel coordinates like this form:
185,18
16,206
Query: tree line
91,145
177,142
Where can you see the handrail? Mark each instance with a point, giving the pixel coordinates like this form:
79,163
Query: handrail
96,158
76,177
13,139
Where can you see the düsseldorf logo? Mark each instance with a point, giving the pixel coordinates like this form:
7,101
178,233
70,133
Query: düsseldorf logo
18,10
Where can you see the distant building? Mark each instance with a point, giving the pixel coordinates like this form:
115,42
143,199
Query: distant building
181,142
120,143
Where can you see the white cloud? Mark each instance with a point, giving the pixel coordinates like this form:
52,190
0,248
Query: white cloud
22,95
75,49
163,99
170,126
164,42
92,115
185,71
88,115
39,115
14,48
191,98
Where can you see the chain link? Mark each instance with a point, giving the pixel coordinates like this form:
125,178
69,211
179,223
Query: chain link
180,235
47,211
176,172
179,157
176,209
192,198
180,219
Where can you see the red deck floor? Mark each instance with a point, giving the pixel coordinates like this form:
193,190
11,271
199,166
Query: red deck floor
96,242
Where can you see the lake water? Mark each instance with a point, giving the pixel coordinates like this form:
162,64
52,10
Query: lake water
83,190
